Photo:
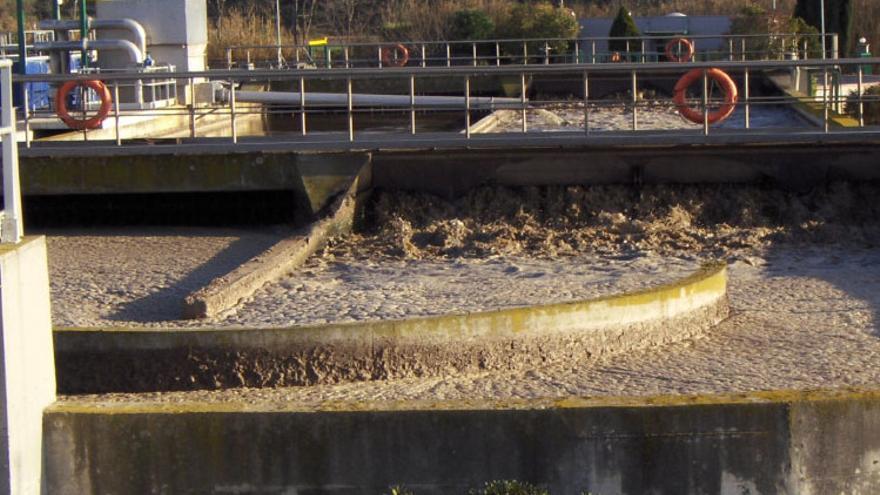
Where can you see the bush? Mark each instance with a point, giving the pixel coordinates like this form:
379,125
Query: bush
755,20
871,106
509,487
537,21
623,27
471,24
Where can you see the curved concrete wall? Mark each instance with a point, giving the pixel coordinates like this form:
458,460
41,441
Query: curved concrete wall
796,443
503,339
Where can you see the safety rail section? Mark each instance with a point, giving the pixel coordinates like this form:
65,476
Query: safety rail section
344,105
642,49
11,225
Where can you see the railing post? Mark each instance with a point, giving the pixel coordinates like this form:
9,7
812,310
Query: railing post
412,104
748,110
380,57
345,55
229,58
448,55
743,42
522,102
302,105
192,109
825,100
546,53
525,53
12,227
577,51
474,54
424,56
467,106
730,49
593,52
586,103
644,52
635,101
116,112
497,54
232,113
27,118
861,101
350,109
705,102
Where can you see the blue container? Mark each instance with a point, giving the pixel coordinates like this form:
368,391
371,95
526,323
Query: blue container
39,94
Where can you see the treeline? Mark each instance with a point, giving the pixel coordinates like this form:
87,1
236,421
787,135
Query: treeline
252,21
434,19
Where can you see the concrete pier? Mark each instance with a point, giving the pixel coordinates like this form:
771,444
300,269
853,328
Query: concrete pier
27,377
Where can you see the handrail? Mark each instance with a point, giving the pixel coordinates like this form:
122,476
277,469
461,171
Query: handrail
461,71
533,40
226,104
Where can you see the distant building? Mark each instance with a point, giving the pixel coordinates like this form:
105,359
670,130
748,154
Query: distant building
663,28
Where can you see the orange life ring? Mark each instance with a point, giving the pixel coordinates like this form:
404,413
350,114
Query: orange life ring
395,56
615,57
680,57
731,95
80,124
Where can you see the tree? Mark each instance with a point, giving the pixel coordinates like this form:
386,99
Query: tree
471,24
540,21
838,19
623,27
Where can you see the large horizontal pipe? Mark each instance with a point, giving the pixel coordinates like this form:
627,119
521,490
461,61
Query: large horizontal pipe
131,25
367,100
133,52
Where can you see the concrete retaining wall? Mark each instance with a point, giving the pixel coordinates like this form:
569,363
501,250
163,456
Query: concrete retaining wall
504,339
762,443
27,367
542,160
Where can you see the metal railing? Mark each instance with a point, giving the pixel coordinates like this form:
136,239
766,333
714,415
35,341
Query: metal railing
591,95
11,225
643,49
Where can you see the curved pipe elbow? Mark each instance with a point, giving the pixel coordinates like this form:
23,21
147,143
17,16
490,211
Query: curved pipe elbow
134,27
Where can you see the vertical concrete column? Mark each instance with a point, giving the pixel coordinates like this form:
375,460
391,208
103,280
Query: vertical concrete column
27,374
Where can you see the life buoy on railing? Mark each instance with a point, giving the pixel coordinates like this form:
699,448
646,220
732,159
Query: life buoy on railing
731,95
394,56
679,56
615,57
92,122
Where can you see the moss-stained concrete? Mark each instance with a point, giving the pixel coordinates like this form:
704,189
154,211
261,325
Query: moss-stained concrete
762,443
503,339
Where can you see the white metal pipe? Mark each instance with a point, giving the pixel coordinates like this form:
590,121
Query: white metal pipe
134,53
366,100
130,25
